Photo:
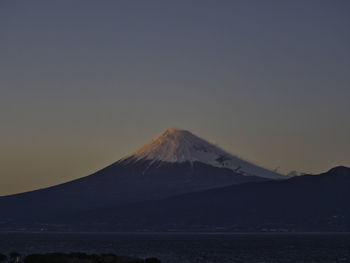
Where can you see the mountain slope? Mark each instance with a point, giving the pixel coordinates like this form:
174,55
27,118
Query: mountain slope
304,203
145,175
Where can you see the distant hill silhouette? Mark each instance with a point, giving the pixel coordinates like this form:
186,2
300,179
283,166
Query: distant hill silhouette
303,203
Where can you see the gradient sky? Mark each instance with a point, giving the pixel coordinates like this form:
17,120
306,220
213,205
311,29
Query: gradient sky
83,83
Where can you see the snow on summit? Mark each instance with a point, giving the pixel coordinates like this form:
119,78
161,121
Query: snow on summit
175,145
178,146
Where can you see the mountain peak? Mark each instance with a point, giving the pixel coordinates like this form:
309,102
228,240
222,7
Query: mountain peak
175,130
179,146
339,170
175,145
175,133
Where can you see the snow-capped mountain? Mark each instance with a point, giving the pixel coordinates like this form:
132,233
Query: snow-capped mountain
173,163
180,146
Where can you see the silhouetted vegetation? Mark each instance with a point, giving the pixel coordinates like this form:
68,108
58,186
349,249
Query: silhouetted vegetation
152,260
15,257
3,258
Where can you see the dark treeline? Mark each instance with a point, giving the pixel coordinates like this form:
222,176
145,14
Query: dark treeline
15,257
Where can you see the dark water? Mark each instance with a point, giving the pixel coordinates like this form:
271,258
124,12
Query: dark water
191,248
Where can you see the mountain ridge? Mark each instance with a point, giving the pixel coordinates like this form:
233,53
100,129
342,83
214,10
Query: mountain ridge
304,203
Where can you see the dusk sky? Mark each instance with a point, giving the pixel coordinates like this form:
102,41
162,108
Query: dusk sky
83,83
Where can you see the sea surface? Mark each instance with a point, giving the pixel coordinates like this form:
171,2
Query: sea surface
190,248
